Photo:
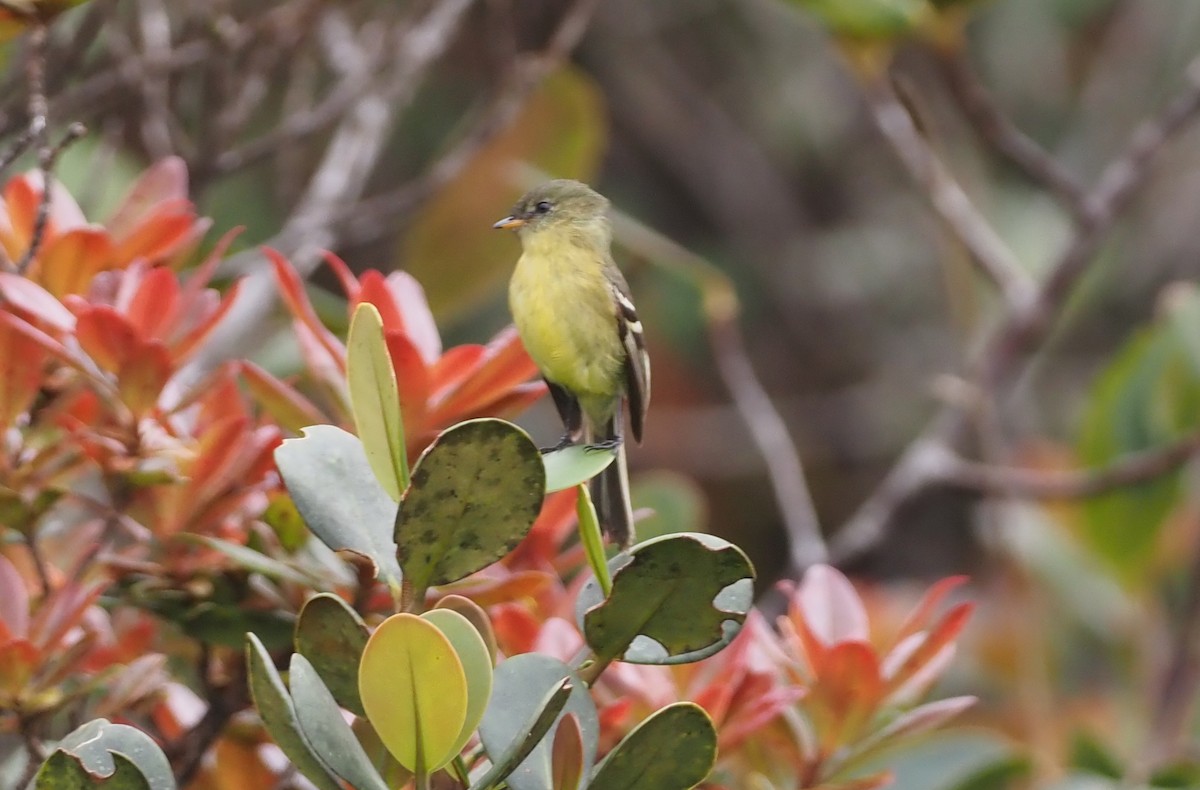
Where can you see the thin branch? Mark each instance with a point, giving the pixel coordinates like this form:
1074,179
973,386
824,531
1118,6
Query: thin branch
47,158
989,252
806,545
995,128
1006,350
373,217
1024,483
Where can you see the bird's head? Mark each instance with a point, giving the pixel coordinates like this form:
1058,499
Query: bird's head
555,204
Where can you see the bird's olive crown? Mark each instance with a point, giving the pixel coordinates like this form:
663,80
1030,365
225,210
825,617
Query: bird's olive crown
557,201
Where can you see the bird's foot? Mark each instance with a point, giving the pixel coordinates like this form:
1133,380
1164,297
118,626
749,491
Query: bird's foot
606,446
563,443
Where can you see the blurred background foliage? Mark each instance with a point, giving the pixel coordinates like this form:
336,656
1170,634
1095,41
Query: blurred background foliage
738,129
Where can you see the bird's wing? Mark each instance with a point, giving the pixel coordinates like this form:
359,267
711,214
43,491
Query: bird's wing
637,361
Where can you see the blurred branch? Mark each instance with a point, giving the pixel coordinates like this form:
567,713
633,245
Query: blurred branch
806,545
372,217
991,124
1068,484
1020,331
992,256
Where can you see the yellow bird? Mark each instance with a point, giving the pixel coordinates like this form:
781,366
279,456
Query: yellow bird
572,308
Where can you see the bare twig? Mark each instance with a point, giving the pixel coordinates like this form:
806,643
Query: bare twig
47,158
371,217
989,252
1068,484
991,124
1005,351
767,428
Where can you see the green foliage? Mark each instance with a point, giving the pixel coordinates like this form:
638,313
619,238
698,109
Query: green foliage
100,754
672,750
1149,396
474,494
332,637
675,599
472,651
574,465
375,400
868,19
335,490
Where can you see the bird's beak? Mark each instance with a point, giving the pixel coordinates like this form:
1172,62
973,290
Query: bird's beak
510,223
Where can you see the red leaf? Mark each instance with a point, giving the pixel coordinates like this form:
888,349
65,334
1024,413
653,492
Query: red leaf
286,406
14,601
22,364
923,612
143,374
566,756
554,524
154,303
20,207
34,302
505,365
846,693
373,290
165,183
106,336
61,612
294,296
454,367
942,635
516,628
345,278
161,235
412,380
830,606
188,343
419,325
68,262
18,661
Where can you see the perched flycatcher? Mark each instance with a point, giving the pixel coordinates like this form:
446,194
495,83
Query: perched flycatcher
572,309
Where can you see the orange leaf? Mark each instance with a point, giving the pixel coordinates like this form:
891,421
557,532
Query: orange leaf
566,756
412,381
68,262
923,612
106,336
846,694
20,207
345,278
291,289
154,303
159,187
206,323
34,302
454,367
516,628
941,636
162,234
373,290
505,365
143,374
22,363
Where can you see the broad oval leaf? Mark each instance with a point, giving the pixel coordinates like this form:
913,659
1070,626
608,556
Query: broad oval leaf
331,482
322,723
375,399
675,599
332,637
477,617
476,662
102,754
278,715
474,494
414,690
573,465
521,684
672,750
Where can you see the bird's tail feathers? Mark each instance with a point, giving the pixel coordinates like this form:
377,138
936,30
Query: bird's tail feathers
610,490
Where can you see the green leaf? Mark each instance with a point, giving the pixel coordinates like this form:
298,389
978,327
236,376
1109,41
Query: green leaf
375,400
254,561
414,689
63,772
1089,754
332,637
1149,396
278,715
867,19
323,725
522,685
474,494
102,754
675,599
672,750
535,730
1008,773
476,662
284,520
331,482
477,617
573,465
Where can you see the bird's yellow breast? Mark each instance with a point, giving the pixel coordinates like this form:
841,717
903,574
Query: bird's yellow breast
563,308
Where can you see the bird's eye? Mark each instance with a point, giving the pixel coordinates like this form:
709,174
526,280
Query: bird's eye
542,207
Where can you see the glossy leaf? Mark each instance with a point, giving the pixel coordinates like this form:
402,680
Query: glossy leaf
375,400
103,754
474,494
476,616
573,465
323,725
278,713
332,637
675,599
672,750
522,686
331,482
476,662
414,690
